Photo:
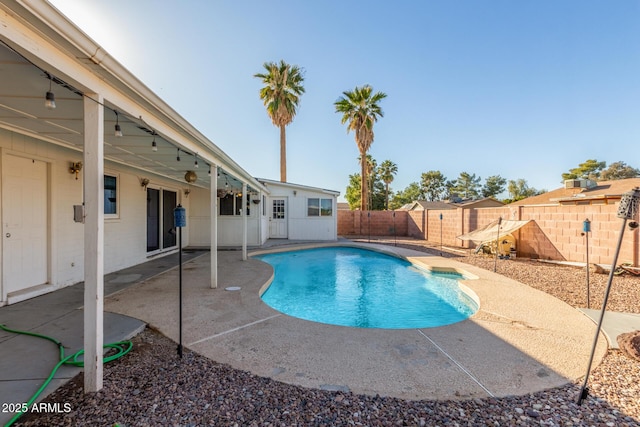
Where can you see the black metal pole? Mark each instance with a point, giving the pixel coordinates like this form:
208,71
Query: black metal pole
586,228
586,235
440,234
584,391
495,262
395,240
180,281
627,210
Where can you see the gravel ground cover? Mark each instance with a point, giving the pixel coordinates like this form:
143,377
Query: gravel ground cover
153,387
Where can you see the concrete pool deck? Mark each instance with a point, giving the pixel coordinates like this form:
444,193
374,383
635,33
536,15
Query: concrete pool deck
520,341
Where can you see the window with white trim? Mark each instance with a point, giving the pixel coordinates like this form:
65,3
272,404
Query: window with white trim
111,196
319,207
231,205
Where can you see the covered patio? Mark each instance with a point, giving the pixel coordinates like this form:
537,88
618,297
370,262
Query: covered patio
82,142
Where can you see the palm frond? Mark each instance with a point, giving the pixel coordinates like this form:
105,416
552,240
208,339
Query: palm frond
283,86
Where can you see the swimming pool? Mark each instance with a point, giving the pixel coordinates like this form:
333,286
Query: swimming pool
362,288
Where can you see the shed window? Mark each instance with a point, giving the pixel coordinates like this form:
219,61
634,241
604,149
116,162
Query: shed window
319,207
326,207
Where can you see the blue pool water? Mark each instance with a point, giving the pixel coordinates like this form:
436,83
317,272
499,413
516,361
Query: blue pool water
361,288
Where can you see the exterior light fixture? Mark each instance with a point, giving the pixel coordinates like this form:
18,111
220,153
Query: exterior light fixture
154,145
50,98
178,156
144,182
195,164
75,167
209,173
118,132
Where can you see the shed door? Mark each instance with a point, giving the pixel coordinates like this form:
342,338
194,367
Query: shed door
24,223
278,219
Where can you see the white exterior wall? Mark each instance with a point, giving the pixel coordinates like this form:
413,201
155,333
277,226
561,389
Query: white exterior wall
300,226
264,217
229,227
125,236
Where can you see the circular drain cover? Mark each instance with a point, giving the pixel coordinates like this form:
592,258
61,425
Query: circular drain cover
232,288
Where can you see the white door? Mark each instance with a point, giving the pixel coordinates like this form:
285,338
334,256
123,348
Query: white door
278,219
24,223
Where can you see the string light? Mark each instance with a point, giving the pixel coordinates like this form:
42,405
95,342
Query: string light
118,131
50,103
50,98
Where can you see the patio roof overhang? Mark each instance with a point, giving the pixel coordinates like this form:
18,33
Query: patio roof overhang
39,47
267,182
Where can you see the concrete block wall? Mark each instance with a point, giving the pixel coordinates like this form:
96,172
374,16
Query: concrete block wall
554,234
416,224
375,223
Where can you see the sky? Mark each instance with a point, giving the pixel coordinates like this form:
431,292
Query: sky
521,89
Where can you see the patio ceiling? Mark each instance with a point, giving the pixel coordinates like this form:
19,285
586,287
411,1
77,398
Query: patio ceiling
22,110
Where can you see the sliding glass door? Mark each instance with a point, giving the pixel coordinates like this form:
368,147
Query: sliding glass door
161,233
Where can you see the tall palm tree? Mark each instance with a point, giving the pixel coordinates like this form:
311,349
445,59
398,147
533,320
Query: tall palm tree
372,164
281,95
387,171
360,109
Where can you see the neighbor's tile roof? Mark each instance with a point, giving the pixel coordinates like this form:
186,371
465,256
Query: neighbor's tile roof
436,204
603,190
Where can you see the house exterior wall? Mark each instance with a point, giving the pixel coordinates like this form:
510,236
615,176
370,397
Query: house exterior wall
229,227
300,225
264,218
125,237
555,233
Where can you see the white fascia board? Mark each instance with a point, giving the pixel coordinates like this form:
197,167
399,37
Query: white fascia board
298,186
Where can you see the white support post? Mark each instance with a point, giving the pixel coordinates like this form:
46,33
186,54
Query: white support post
93,178
244,221
214,226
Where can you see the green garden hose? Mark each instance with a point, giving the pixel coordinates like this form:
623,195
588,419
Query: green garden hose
121,348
